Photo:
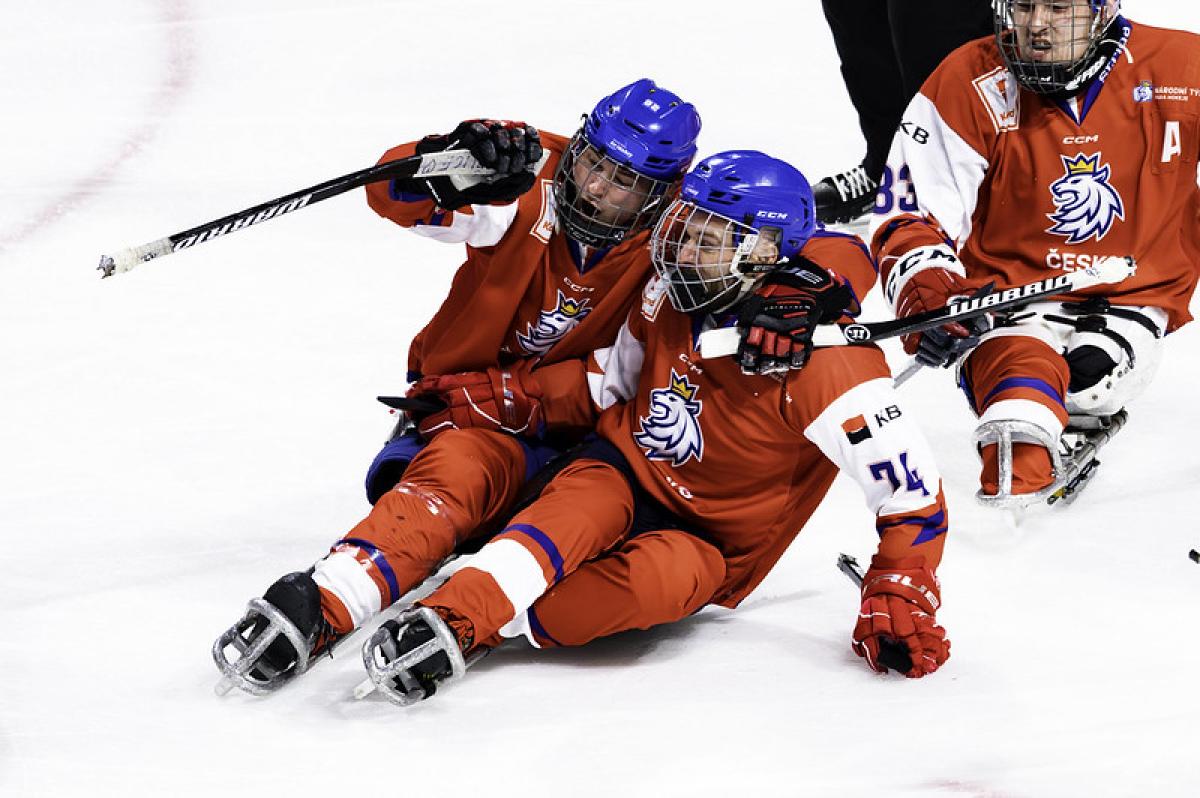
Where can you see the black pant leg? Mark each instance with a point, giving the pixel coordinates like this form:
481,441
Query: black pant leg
870,69
924,32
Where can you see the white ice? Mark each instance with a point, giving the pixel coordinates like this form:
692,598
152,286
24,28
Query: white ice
174,439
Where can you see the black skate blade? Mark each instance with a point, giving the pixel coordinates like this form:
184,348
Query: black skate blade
1068,493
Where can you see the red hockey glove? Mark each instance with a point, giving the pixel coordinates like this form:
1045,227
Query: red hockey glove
924,284
777,320
504,399
900,598
512,149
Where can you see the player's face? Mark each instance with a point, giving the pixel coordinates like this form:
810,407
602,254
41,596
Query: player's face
707,244
616,193
1051,31
694,250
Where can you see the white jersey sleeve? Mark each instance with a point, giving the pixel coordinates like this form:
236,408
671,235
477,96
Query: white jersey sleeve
483,226
943,170
869,436
613,371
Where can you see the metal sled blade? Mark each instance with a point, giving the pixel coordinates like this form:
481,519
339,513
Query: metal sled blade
1080,458
1071,489
245,670
1004,433
390,671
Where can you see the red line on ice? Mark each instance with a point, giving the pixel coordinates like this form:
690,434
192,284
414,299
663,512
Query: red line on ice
177,77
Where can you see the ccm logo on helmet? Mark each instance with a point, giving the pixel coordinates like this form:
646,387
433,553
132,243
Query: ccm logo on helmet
771,215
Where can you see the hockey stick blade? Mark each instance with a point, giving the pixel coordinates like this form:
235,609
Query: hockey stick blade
723,342
436,164
893,655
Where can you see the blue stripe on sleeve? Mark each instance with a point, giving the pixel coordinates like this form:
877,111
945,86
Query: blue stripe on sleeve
931,527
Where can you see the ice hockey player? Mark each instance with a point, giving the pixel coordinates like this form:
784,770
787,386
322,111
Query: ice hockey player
555,260
1071,136
699,476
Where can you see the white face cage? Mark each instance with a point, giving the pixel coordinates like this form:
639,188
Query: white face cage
599,202
707,260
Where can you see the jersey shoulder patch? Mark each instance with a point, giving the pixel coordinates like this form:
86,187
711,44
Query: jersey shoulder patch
654,293
1001,98
543,228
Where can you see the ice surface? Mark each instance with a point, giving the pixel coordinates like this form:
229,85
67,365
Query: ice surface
175,438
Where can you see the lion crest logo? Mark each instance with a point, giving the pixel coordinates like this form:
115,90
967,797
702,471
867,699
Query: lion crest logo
672,429
1085,202
553,324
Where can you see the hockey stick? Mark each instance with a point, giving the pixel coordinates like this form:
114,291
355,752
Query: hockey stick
909,371
958,346
436,164
892,653
724,341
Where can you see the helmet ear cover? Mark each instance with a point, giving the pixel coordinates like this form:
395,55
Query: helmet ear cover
757,253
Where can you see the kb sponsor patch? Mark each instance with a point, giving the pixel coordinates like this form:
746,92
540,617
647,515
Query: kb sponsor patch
856,429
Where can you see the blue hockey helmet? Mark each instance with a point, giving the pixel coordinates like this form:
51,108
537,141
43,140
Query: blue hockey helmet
739,215
624,163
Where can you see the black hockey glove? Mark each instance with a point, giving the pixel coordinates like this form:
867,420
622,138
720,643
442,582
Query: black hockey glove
777,321
942,348
939,348
512,149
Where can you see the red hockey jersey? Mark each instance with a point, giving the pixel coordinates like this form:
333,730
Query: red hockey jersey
747,459
1026,187
520,293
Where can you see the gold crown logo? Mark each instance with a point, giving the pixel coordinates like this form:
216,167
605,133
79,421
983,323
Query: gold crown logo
570,307
1082,164
680,387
